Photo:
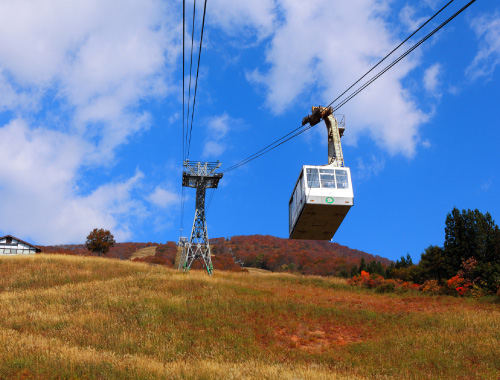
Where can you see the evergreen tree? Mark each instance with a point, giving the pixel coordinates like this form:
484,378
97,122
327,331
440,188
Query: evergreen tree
472,234
404,263
432,264
362,265
372,267
409,262
389,270
354,270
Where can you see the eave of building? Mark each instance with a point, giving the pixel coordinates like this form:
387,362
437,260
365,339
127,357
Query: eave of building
21,241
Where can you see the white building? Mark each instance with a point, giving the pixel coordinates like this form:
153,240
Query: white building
10,245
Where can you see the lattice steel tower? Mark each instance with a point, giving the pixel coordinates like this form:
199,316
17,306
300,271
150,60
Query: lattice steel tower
201,176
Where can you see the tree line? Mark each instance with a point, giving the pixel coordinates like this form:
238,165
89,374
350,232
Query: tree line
469,259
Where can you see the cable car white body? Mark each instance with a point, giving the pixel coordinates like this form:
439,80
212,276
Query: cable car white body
323,195
320,201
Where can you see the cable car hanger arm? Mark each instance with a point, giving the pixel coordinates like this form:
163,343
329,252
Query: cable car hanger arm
335,155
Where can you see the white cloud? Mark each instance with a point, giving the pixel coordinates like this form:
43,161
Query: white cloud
12,99
213,149
97,57
486,186
319,50
487,29
236,16
366,170
433,4
216,142
408,18
164,198
84,67
431,78
38,188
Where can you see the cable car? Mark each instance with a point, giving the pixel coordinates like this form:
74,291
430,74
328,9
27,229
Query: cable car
323,195
320,201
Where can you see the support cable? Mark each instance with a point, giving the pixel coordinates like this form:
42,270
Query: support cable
209,201
281,141
373,79
183,104
392,51
183,73
197,74
256,154
190,76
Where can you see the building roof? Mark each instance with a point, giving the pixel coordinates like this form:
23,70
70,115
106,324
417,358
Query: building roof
22,241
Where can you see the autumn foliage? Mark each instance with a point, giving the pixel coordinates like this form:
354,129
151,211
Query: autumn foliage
462,284
307,257
258,251
382,285
467,264
100,241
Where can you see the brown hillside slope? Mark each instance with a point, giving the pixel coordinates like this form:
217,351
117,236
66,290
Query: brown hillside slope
67,317
305,256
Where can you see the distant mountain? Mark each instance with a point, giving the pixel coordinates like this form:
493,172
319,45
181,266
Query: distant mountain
304,256
259,251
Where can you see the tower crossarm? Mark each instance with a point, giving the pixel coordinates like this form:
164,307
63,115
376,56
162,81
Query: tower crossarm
198,168
195,181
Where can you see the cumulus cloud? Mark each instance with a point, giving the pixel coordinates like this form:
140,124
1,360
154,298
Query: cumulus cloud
234,17
96,58
431,79
218,128
373,167
408,18
83,67
318,50
487,29
39,188
164,198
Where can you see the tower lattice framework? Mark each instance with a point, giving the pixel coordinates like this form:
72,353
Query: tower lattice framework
201,176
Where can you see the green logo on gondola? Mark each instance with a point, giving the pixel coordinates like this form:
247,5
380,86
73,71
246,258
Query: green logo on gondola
329,200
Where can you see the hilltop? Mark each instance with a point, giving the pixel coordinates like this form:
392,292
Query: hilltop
68,317
258,251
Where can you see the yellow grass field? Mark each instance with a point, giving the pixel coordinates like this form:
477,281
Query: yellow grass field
66,317
144,252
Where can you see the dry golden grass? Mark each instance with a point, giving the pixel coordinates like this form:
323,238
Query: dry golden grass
144,252
65,317
259,271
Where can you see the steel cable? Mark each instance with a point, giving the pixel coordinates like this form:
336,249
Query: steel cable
275,144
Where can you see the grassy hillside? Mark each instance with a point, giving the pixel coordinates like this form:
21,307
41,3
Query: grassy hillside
143,252
68,317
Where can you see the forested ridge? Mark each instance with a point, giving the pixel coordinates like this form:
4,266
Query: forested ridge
303,256
258,251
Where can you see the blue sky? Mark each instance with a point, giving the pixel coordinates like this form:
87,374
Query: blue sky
91,116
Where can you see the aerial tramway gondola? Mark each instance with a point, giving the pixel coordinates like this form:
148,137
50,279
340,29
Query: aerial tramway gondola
323,194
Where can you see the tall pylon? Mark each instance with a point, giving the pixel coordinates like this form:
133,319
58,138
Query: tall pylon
201,176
